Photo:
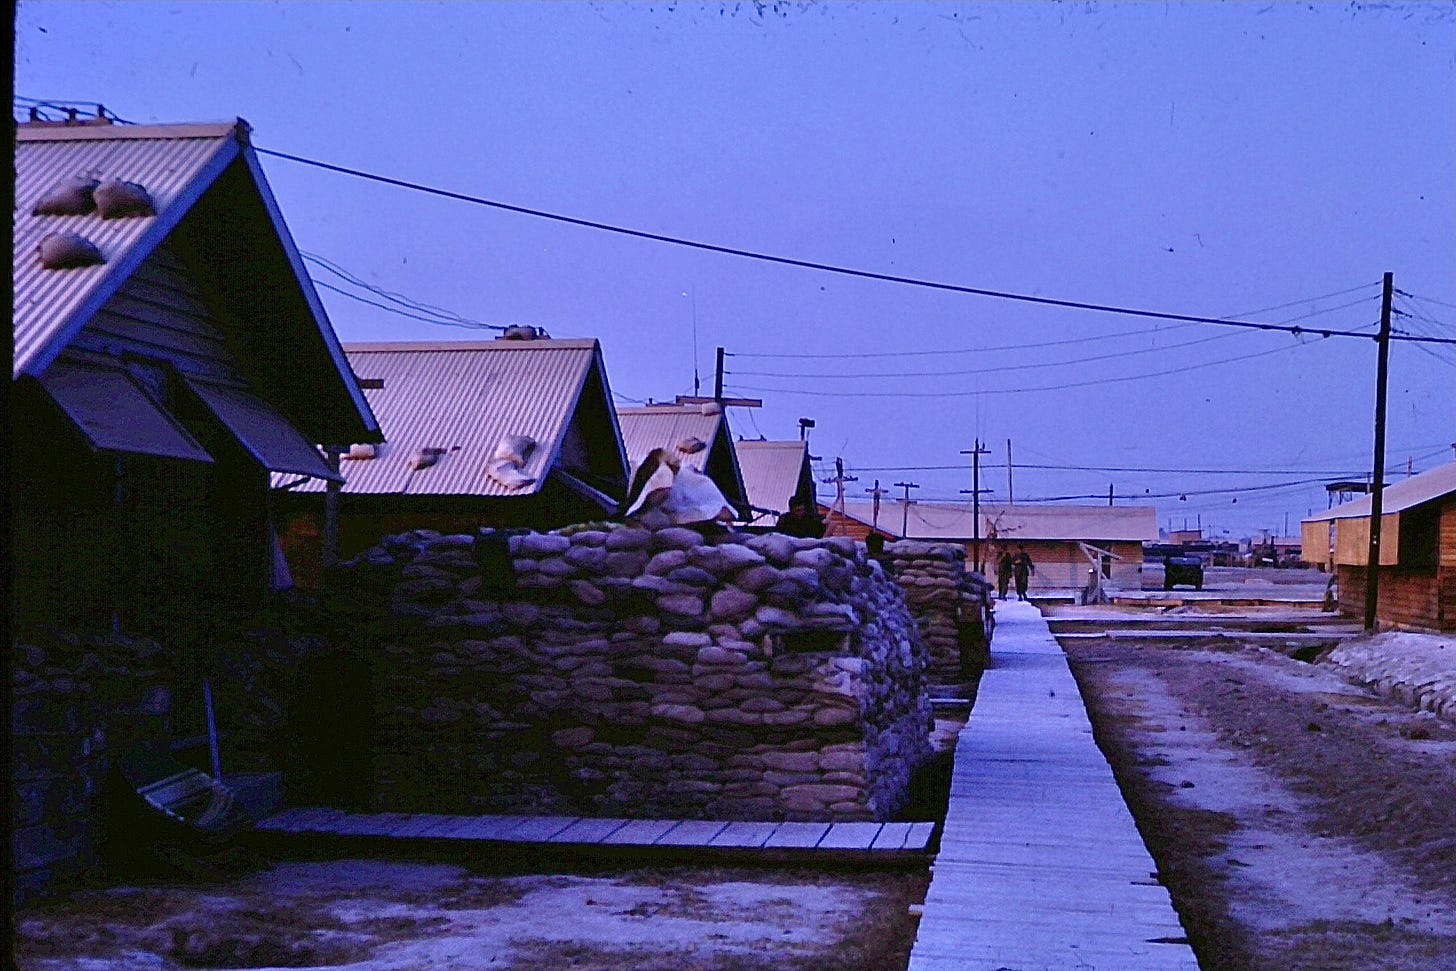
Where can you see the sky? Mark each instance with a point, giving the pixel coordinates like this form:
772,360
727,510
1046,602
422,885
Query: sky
1264,162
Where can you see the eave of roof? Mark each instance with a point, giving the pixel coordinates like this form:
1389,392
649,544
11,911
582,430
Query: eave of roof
1427,486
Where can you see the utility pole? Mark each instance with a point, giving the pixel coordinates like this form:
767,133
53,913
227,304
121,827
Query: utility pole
876,492
1109,493
1010,496
839,480
905,517
718,377
975,490
1377,477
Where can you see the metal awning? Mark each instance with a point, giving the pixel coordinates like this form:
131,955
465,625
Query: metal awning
115,414
259,428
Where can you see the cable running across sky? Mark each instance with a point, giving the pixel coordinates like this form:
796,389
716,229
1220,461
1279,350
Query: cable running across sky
810,264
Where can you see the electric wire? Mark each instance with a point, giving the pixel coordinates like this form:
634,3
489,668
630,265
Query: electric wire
1017,367
1073,340
803,264
433,313
1005,391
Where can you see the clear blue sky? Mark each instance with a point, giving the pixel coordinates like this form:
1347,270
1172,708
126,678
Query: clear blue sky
1204,158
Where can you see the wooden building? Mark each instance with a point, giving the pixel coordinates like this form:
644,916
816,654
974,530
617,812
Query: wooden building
449,411
774,475
696,434
1064,542
1417,581
170,352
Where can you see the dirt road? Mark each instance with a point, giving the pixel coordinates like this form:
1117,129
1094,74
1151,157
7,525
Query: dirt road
1300,823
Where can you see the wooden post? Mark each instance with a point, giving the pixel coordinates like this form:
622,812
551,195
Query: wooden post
331,507
1377,489
905,517
718,377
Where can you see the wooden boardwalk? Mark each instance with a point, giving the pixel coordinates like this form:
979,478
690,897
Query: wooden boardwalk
792,838
1040,864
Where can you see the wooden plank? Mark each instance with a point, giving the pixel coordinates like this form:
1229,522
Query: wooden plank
418,823
891,836
692,832
919,836
744,834
640,832
538,829
796,836
850,836
480,828
588,831
371,824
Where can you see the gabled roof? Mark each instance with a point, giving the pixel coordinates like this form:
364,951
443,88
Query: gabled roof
1406,494
952,521
186,169
774,472
463,397
665,426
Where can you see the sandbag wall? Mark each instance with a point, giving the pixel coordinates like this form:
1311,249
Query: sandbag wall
618,671
949,604
76,700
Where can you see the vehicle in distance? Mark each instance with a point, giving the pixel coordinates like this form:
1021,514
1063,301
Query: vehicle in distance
1182,569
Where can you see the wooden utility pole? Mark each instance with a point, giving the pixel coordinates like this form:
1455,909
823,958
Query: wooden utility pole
718,377
875,516
1109,493
975,491
1377,477
1010,496
839,479
905,517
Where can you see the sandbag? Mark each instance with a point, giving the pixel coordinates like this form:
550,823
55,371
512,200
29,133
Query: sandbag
67,251
116,199
695,498
68,197
509,474
514,449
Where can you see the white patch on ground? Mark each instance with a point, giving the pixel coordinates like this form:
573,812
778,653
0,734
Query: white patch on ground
451,920
1271,860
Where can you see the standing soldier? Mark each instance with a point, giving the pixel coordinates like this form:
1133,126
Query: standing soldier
1004,569
1022,567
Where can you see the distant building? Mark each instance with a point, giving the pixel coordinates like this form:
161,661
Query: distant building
774,475
448,410
1064,542
1417,557
170,352
696,434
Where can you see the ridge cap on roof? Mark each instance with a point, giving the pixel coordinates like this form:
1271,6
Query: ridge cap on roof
543,343
29,132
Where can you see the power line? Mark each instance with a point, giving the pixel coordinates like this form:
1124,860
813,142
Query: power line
396,310
790,261
1022,367
1074,340
1413,296
1000,391
435,314
991,370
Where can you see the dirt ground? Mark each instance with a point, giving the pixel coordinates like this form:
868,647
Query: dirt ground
401,916
1300,823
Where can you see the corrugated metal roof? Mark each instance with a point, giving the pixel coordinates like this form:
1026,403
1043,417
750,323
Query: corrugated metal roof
175,163
952,521
664,426
463,397
772,472
1398,497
